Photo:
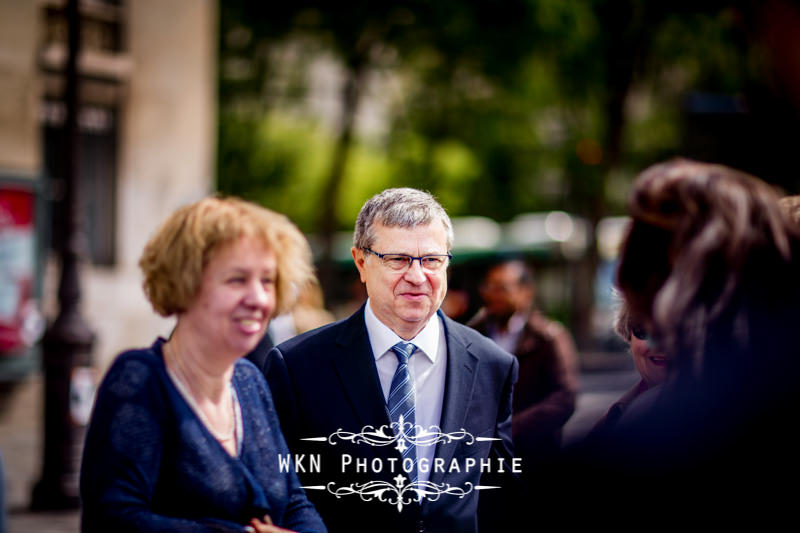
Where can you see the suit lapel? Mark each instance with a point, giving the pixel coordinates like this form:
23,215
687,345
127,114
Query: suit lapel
459,384
355,365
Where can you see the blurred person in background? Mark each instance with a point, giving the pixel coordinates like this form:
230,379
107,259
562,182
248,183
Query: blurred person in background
308,313
544,397
184,435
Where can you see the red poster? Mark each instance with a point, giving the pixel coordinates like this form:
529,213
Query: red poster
20,320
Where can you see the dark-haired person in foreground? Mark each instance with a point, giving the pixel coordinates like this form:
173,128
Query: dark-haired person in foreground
711,270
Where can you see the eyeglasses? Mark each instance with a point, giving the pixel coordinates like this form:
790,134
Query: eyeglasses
398,262
640,333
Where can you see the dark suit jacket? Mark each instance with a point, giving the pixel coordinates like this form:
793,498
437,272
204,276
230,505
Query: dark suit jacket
545,394
258,355
326,380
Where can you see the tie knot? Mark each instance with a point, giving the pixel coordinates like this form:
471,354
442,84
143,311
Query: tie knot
403,350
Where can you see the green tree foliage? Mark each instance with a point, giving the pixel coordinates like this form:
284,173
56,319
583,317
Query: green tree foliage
542,99
498,107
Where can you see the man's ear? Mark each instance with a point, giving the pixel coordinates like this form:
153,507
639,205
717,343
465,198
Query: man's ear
359,258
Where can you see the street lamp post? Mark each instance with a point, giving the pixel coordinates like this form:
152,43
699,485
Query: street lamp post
67,344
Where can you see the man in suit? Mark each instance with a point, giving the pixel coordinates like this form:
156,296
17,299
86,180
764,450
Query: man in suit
544,397
344,385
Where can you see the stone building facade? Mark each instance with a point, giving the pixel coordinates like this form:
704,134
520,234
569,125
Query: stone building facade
147,141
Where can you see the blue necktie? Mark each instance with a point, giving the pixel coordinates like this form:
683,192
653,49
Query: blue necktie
401,402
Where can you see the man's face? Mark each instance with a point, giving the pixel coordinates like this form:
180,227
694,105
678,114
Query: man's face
502,292
404,300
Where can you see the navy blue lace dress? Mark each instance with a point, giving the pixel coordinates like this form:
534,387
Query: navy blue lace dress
149,463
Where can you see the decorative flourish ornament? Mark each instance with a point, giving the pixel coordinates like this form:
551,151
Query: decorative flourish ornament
402,433
400,494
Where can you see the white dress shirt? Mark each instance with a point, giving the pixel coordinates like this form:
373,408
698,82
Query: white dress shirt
427,366
509,338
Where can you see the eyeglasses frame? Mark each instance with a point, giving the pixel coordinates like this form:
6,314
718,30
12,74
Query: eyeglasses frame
411,259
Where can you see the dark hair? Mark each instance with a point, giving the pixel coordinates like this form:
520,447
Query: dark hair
792,206
709,248
525,271
709,264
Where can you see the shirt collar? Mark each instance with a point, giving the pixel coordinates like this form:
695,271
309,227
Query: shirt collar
514,325
517,322
382,338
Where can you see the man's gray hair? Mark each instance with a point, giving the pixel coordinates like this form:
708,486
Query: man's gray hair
404,207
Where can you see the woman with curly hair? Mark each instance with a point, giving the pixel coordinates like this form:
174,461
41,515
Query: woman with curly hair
184,435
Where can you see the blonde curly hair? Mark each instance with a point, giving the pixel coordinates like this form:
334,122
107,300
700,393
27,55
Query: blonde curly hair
174,259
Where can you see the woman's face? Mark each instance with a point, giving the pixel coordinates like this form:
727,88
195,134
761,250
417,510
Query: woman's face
651,364
236,298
